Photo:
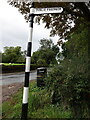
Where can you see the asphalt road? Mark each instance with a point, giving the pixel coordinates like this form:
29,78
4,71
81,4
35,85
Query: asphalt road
7,79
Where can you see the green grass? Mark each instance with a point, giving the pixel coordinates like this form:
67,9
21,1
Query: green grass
39,105
8,64
12,108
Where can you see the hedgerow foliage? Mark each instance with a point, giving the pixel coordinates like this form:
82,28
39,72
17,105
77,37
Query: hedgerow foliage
68,83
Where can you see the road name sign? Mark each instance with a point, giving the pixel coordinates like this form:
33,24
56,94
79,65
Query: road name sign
48,10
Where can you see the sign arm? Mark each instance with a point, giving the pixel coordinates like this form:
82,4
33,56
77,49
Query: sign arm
52,10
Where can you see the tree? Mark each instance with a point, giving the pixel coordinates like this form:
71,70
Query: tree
46,44
35,57
13,55
60,24
46,54
41,62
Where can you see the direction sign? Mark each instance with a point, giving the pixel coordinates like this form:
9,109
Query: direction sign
33,12
38,11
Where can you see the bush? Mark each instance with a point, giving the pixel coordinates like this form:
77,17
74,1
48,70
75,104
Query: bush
68,84
54,81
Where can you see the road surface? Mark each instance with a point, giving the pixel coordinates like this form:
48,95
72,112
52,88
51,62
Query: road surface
7,79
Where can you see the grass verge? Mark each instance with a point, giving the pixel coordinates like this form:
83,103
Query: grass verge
39,105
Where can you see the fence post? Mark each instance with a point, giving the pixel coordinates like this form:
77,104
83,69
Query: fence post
27,67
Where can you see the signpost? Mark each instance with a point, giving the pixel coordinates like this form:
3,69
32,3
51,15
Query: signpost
33,12
51,10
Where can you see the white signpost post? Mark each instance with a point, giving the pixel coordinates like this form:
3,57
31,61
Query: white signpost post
33,13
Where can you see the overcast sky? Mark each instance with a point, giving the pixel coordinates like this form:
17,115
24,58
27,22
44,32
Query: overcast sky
14,29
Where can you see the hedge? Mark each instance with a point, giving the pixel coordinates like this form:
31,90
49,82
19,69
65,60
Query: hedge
18,68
